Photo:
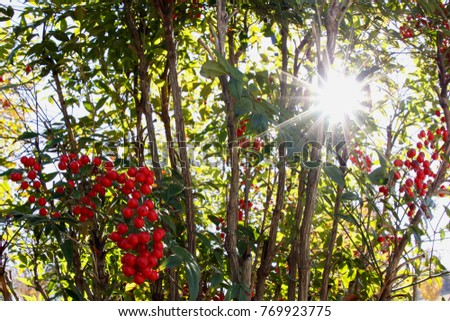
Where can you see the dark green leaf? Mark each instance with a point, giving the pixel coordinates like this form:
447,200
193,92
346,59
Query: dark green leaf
192,271
334,173
216,279
171,262
212,69
27,135
378,176
349,196
174,190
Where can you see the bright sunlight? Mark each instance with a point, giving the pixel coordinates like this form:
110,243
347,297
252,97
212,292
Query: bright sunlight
340,95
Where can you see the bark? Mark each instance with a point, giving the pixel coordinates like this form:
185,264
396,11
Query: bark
63,108
266,260
305,228
233,151
166,13
293,257
143,106
330,247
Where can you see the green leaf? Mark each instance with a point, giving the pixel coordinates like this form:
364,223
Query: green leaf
232,71
334,173
216,279
174,190
378,176
67,249
212,69
244,106
235,86
349,196
347,218
192,271
27,135
382,160
171,262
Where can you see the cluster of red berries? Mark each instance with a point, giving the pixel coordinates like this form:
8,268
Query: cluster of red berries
92,181
386,241
191,8
219,297
364,162
139,262
420,162
29,180
243,205
437,21
257,144
221,226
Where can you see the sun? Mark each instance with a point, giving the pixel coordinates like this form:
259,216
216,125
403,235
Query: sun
338,96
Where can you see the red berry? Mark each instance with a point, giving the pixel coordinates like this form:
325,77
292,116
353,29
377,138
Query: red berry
158,245
136,194
129,259
139,279
32,175
37,167
133,203
133,240
97,161
122,228
84,159
24,160
36,184
157,253
106,182
129,184
127,212
144,237
24,185
62,165
142,261
31,199
158,234
398,163
154,276
121,178
30,162
16,176
140,177
152,216
380,239
132,171
112,175
74,167
409,182
142,211
128,270
115,236
109,165
146,189
149,203
411,153
43,211
152,261
138,222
